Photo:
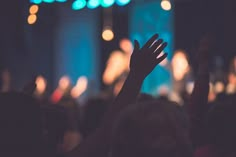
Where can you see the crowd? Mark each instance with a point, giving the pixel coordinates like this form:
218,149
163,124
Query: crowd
129,124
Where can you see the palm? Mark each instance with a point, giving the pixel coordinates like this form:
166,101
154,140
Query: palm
144,60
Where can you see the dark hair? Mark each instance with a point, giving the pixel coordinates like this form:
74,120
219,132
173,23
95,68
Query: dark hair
151,129
21,127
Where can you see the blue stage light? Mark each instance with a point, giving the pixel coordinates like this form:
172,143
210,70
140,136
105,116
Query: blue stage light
36,1
93,4
61,1
48,1
78,4
122,2
107,3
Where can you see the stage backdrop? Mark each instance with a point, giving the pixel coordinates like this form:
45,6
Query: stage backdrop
145,20
77,51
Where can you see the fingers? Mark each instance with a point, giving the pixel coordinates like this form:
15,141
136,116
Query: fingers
161,58
136,45
160,48
150,41
156,44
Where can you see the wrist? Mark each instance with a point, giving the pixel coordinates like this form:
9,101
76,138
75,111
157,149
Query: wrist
135,76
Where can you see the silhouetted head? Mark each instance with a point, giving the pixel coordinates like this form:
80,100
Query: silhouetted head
154,129
20,123
93,114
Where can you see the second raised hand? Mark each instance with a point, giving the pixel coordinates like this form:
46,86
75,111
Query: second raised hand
144,60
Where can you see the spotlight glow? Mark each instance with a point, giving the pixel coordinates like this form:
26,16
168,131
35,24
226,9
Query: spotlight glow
48,1
78,4
32,19
80,87
107,34
36,1
166,5
93,4
107,3
41,85
33,9
64,83
122,2
61,1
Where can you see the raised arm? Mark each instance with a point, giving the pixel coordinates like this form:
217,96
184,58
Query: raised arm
197,106
143,61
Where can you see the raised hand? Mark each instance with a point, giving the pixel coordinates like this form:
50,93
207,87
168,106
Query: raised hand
144,60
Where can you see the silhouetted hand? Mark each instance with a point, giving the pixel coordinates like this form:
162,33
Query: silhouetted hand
144,60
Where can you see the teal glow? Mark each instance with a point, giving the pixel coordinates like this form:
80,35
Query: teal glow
122,2
78,4
36,1
61,1
48,1
145,20
77,46
107,3
93,4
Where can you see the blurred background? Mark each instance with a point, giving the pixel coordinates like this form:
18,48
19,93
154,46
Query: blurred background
71,42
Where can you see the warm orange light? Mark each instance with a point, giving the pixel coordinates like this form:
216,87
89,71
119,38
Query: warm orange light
33,9
41,84
180,65
166,5
107,34
32,19
80,87
126,46
116,65
219,87
165,61
64,83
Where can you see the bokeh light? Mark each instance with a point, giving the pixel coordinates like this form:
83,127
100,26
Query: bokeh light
61,1
64,83
48,1
33,9
36,1
41,84
122,2
93,4
107,3
126,45
78,4
116,65
219,87
107,34
80,87
32,19
166,5
180,65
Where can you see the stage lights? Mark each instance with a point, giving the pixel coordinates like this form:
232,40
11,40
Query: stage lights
166,5
33,10
36,1
48,1
78,4
122,2
107,3
61,0
107,34
91,4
